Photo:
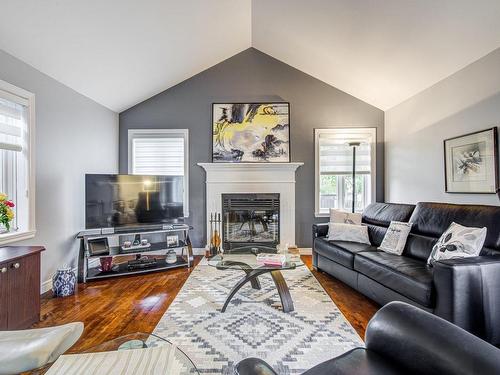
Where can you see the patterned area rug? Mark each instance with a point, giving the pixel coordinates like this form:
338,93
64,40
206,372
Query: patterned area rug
253,324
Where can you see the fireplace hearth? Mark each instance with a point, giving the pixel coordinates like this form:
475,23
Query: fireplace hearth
250,219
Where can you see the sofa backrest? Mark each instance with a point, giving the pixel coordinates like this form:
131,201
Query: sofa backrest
430,221
378,217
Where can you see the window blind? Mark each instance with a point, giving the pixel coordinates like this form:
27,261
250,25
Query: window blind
158,156
12,125
336,155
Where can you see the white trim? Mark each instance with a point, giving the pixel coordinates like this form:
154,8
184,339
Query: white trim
373,160
305,250
9,237
26,98
132,133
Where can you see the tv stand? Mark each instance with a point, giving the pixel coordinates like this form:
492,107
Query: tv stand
90,265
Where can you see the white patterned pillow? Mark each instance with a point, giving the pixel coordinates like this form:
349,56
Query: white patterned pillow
348,232
395,238
337,216
458,242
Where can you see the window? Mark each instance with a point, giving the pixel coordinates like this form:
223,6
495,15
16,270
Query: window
334,159
160,152
16,167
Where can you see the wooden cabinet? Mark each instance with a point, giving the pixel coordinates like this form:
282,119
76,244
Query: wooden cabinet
19,286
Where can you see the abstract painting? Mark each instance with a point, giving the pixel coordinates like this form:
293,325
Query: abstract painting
471,162
251,132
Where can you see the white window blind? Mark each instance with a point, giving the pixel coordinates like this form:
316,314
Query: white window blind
158,155
336,155
13,124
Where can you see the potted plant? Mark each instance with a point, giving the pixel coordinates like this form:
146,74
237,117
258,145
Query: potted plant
6,212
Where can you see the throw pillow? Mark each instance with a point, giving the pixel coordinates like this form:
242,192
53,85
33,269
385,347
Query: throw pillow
337,216
458,242
395,238
348,232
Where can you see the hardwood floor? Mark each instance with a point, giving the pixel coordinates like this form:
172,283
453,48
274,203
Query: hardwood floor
115,307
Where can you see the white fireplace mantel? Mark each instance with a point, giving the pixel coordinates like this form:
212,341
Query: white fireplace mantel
254,178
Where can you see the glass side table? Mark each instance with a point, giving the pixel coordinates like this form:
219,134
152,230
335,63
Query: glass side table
179,362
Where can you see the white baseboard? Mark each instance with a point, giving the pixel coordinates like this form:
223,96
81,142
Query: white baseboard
305,250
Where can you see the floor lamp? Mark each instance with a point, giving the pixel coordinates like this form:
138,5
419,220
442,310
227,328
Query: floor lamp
354,145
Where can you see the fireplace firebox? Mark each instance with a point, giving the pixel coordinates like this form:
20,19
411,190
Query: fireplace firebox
250,219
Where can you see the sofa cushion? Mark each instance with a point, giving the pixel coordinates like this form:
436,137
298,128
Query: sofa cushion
407,276
341,252
376,234
419,247
382,214
432,219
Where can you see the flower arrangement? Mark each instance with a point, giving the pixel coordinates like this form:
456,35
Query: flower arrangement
6,212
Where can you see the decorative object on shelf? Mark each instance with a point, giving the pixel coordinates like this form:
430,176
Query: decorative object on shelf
171,257
98,246
64,282
106,264
173,240
251,132
215,239
6,212
471,163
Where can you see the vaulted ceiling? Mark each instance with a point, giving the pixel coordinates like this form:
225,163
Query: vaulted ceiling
120,52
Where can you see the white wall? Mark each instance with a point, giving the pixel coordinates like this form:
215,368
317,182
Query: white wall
74,136
467,101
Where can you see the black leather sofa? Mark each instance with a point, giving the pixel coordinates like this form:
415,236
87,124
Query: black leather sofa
402,339
465,292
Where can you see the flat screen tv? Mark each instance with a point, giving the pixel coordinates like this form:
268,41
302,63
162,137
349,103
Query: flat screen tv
119,201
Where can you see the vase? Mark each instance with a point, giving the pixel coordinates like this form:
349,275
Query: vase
106,264
64,282
171,257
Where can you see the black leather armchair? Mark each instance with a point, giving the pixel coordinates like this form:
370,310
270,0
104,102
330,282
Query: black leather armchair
403,339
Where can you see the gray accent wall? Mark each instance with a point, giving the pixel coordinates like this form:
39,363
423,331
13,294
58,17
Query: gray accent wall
465,102
252,76
73,136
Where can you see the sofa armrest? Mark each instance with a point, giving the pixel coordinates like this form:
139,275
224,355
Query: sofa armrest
467,294
319,230
423,343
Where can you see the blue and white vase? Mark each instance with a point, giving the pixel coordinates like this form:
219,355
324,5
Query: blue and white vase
63,282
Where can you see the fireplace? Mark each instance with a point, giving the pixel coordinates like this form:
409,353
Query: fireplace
250,219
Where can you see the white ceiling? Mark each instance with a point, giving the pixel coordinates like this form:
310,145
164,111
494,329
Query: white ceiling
120,52
380,51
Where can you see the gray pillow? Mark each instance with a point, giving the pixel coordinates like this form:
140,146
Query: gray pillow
348,232
458,242
338,216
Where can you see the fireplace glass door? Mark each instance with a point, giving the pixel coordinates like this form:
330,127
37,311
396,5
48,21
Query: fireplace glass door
250,219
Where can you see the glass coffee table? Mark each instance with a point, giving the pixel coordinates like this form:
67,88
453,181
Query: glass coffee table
247,262
176,363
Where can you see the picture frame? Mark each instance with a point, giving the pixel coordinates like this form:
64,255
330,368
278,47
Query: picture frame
471,163
256,132
98,246
173,240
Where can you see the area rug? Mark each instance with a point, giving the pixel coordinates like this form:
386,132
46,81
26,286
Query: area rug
253,324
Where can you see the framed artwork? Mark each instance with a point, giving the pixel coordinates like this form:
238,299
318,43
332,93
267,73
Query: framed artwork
250,132
471,163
